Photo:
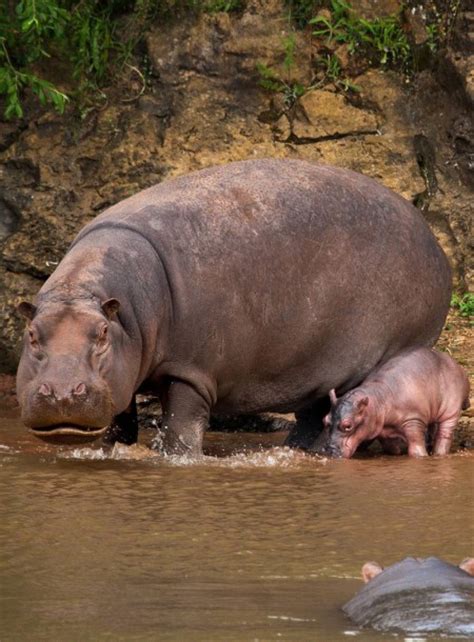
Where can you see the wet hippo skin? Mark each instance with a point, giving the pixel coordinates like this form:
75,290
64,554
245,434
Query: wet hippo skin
255,286
416,596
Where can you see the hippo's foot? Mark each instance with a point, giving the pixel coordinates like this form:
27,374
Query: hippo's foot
185,419
308,432
124,428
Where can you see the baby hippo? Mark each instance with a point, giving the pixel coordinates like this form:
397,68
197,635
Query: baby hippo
416,391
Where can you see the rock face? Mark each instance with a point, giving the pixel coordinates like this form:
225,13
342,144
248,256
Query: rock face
204,106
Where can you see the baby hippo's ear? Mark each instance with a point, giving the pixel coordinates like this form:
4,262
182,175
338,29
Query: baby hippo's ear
468,565
362,403
371,570
332,397
26,309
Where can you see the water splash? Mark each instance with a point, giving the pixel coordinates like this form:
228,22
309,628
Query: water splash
276,457
117,453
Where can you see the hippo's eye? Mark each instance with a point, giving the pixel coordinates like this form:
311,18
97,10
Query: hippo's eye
34,343
345,425
102,337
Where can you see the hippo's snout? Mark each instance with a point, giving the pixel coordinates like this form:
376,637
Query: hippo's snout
68,434
338,446
334,452
67,412
326,448
62,394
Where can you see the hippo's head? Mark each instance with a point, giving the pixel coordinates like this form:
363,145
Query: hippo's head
346,423
71,377
370,570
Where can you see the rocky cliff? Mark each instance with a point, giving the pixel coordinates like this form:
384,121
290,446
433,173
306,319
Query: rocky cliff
201,103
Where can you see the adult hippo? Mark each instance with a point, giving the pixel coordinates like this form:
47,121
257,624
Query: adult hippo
416,596
255,286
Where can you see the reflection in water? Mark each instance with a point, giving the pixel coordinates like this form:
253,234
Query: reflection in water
264,544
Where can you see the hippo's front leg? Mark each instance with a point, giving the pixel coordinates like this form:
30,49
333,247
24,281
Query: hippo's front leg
307,433
124,428
415,433
185,419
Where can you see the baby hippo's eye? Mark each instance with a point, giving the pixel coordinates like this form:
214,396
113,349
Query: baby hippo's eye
327,420
345,425
102,337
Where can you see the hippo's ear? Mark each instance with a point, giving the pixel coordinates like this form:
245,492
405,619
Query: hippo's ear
371,570
362,403
468,565
332,396
110,307
26,309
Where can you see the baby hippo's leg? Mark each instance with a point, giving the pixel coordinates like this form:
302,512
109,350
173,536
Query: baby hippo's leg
444,435
415,433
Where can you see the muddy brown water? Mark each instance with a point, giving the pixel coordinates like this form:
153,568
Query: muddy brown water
254,542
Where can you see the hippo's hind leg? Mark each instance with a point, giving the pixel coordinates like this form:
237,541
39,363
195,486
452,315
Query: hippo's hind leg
443,436
185,419
124,428
307,433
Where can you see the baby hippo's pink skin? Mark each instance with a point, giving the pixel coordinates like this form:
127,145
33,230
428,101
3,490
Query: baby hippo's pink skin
417,390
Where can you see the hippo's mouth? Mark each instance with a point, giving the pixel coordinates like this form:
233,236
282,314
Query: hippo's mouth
68,433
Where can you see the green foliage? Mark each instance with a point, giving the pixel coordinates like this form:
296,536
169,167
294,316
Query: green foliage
328,64
331,66
382,39
464,303
213,6
86,36
440,18
269,79
92,42
13,81
272,82
433,37
301,11
92,39
25,30
79,33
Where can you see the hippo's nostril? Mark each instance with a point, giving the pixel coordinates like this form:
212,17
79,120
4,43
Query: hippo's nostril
333,451
80,390
45,390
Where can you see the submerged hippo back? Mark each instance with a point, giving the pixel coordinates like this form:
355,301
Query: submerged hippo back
417,596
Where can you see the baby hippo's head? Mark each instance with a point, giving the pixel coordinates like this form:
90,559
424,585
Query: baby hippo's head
347,423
